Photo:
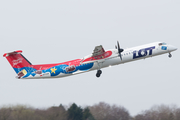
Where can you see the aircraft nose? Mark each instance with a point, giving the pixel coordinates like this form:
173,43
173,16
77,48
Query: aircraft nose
172,48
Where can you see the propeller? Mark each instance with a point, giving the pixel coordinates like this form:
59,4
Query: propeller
119,50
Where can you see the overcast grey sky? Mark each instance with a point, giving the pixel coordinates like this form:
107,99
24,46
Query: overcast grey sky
52,31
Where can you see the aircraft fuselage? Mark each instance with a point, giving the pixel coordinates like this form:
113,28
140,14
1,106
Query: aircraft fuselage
108,58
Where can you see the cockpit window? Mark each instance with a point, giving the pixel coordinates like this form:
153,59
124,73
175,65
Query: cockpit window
162,44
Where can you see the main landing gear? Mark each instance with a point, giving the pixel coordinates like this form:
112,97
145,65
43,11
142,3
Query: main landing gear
98,74
170,55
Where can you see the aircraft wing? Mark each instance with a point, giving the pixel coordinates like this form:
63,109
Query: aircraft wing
97,55
98,50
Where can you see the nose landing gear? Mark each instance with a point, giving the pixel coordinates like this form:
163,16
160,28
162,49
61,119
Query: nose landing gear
170,55
98,74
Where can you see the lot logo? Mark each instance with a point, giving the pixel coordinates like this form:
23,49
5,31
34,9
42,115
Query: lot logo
143,52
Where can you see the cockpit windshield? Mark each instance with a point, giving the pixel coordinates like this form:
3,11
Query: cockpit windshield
162,44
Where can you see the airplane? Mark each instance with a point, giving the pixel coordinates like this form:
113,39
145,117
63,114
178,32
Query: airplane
96,61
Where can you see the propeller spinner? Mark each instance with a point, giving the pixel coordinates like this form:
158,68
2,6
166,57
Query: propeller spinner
119,50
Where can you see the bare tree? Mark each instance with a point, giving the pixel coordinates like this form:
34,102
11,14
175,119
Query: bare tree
177,114
56,113
21,112
5,113
104,111
162,112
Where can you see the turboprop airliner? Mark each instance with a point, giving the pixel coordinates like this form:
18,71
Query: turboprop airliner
99,59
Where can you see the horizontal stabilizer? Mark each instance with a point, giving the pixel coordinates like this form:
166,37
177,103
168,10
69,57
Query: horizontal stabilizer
12,53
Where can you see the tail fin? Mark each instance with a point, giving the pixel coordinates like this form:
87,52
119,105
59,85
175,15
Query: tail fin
17,60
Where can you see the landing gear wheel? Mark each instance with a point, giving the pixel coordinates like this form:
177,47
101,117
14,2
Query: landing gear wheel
169,55
99,71
98,74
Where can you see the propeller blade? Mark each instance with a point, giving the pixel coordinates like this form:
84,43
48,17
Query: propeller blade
120,56
118,46
119,50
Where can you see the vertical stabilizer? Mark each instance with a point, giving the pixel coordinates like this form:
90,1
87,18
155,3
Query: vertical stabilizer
17,61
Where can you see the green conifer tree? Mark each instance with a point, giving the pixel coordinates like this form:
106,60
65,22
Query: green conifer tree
75,112
87,114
